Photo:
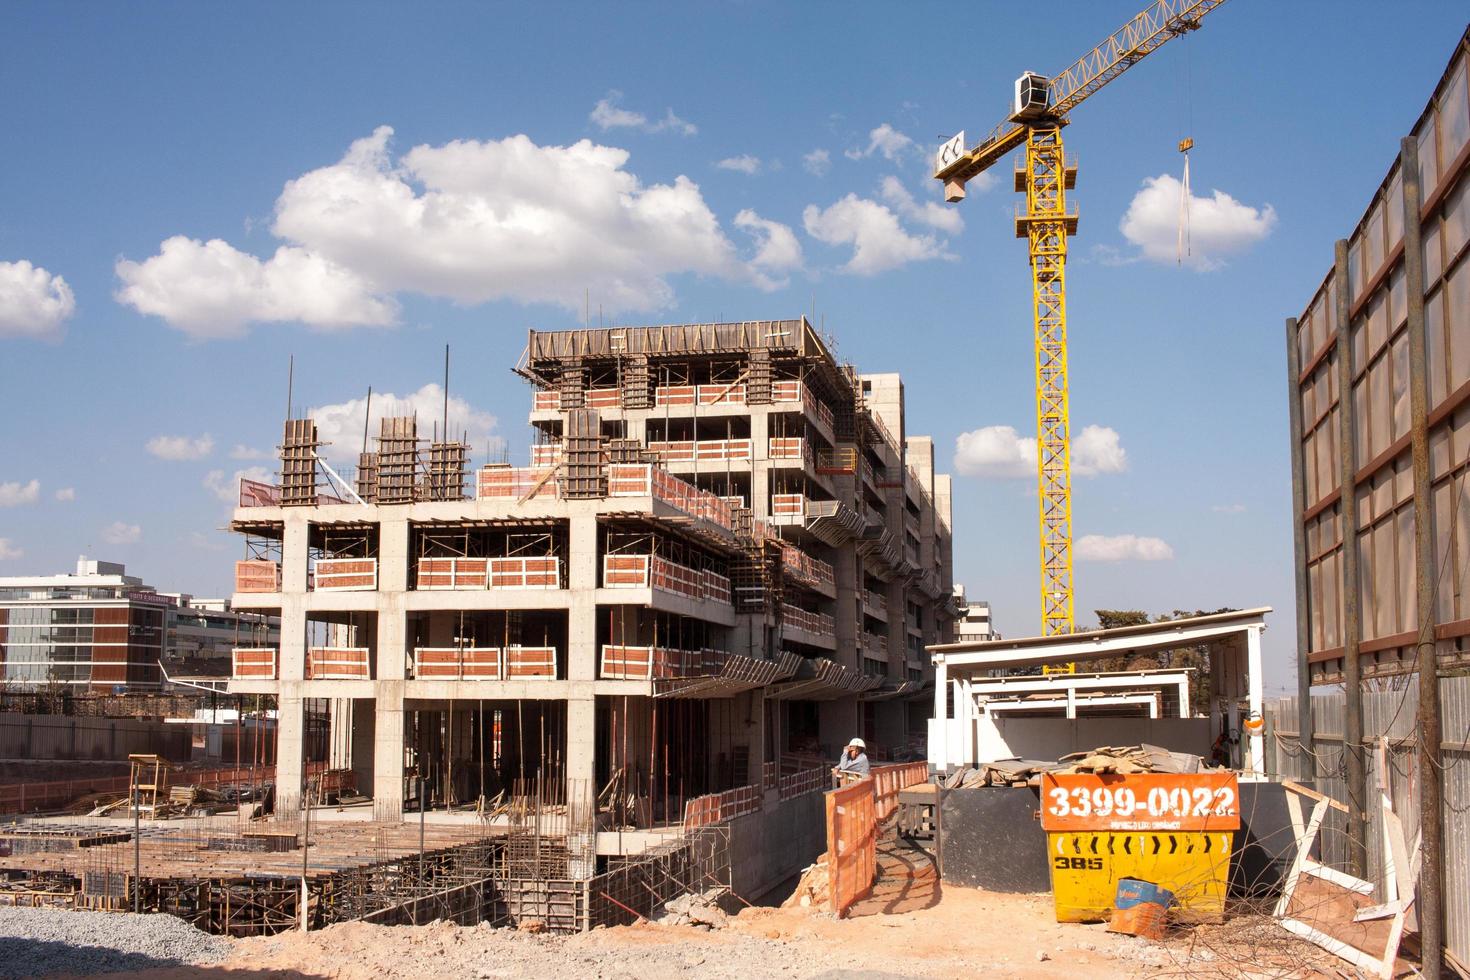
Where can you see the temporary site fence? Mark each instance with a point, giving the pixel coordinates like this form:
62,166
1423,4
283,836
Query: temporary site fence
345,574
622,571
794,617
257,575
439,574
254,663
888,780
640,663
852,841
1391,752
713,808
338,663
458,663
854,813
647,480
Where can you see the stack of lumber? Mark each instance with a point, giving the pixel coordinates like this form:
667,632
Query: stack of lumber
1129,759
1109,759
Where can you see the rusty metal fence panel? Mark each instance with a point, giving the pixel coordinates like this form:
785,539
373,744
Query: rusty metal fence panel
1388,715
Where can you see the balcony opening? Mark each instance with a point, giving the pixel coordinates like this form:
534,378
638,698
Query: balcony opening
480,556
342,557
474,755
342,646
487,645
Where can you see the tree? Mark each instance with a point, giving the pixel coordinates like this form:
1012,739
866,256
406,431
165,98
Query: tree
1195,657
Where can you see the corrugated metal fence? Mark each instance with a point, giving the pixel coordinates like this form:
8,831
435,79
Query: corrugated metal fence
1387,715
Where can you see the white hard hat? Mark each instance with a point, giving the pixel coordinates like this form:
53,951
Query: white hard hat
858,742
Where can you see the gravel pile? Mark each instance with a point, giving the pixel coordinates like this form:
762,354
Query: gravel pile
39,942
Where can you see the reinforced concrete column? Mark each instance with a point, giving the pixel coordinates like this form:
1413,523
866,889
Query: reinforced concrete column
582,575
582,741
1304,724
939,736
1352,616
760,467
388,737
290,752
1255,697
364,725
1430,894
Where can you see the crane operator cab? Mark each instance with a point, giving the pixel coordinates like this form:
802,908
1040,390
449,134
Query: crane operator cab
1033,97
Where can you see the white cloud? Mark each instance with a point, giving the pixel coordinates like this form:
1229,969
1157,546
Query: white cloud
469,221
931,213
1219,225
1098,449
745,164
1228,508
66,494
211,289
119,533
15,493
181,447
9,550
817,162
228,490
1000,452
340,425
248,452
777,249
1122,547
607,114
884,140
879,241
33,302
995,451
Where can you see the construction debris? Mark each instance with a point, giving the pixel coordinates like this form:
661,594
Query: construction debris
710,909
1107,759
813,888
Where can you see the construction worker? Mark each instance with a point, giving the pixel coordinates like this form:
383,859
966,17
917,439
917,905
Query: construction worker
854,761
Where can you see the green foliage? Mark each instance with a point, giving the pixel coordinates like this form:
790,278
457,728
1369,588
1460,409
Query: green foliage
1195,657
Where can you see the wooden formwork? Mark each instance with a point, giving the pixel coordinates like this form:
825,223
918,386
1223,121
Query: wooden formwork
398,453
298,463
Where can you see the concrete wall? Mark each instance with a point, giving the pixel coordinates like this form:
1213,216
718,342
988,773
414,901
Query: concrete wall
770,846
1051,738
63,737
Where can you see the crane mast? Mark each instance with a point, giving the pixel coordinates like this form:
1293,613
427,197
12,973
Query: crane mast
1041,110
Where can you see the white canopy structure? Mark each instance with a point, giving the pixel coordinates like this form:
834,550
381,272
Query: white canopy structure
964,674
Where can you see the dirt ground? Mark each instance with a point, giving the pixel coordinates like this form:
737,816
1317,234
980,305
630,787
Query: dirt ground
1006,935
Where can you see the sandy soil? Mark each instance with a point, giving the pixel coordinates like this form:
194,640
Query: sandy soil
1005,935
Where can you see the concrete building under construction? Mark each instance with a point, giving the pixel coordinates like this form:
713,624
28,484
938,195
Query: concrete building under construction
725,559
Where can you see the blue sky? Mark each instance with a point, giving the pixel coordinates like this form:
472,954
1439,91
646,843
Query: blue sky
129,126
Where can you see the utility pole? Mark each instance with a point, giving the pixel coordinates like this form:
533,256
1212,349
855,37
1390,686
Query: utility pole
1430,894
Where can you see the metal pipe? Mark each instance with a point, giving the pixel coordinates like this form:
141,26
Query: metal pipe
1308,774
137,845
1352,619
1430,894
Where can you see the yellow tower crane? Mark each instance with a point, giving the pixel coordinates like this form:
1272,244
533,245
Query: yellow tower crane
1041,109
